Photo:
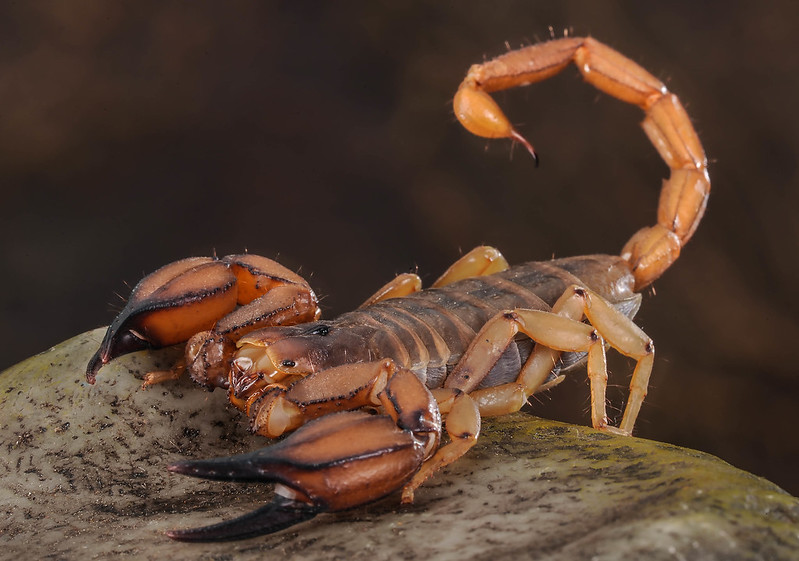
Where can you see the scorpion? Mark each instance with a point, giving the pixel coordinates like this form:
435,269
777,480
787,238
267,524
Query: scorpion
363,395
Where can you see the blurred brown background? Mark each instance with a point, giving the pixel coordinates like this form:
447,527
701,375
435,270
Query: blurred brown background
136,133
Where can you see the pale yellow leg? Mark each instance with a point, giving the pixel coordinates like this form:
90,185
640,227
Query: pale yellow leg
554,332
160,376
622,334
463,428
401,285
481,261
545,328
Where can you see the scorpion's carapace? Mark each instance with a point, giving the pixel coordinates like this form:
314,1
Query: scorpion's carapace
478,343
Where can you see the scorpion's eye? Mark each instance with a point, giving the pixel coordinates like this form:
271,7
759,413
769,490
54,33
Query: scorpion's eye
321,330
288,363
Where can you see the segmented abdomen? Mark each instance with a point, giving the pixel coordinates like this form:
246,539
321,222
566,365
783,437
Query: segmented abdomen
429,331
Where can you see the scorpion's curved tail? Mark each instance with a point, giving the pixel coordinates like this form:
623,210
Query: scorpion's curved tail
683,198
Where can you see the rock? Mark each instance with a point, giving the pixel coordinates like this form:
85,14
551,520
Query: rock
83,477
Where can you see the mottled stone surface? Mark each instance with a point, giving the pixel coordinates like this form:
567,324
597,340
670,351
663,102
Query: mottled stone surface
83,477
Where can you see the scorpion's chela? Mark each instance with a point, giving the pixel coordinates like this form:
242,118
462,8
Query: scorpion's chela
479,342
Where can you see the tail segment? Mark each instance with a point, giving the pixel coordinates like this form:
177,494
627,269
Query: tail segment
684,195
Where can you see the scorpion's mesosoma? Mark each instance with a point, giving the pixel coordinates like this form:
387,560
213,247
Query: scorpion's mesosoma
478,343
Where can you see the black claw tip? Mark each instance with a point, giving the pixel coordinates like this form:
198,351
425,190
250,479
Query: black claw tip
242,467
94,367
117,342
277,515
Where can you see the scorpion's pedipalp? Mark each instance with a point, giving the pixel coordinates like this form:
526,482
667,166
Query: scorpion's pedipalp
167,307
278,515
351,386
209,353
257,275
268,294
188,298
332,463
